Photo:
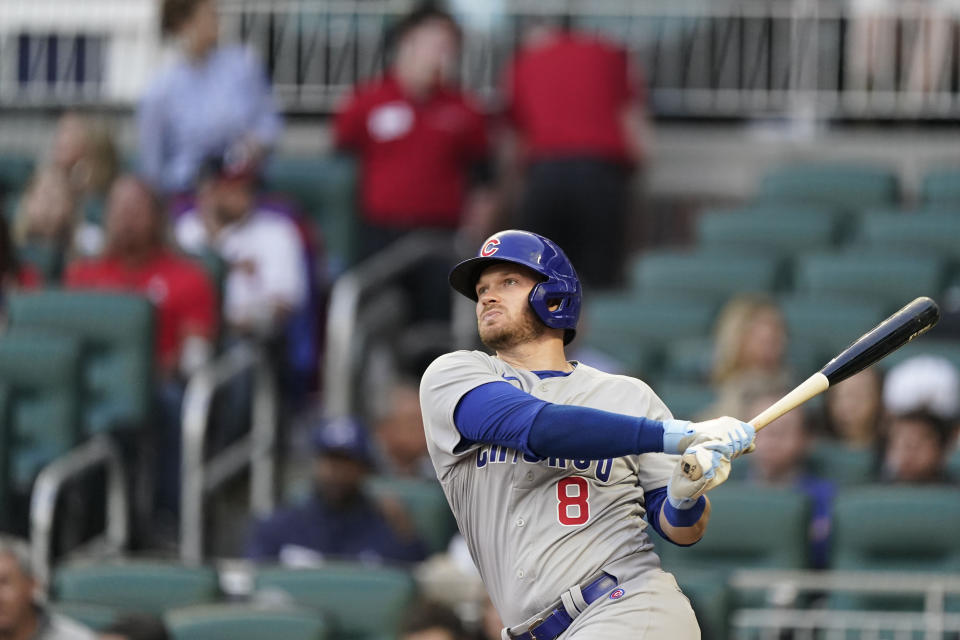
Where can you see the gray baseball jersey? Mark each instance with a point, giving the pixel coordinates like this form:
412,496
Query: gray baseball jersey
537,527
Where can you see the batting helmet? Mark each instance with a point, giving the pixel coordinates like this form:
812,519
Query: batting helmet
559,288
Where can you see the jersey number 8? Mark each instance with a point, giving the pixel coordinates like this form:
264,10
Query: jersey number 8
573,506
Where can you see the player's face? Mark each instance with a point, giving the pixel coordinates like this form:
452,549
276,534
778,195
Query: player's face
504,316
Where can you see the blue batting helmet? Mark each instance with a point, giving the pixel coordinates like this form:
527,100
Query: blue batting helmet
560,286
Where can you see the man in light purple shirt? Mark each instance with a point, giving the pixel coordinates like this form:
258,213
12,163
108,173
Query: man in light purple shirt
211,100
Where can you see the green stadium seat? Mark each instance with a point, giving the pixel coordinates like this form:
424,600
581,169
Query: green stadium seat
941,187
360,602
15,171
633,327
239,622
95,616
709,275
40,375
751,527
116,335
848,186
708,593
325,186
688,359
890,279
426,504
924,234
685,399
828,326
953,465
767,231
895,528
135,586
842,464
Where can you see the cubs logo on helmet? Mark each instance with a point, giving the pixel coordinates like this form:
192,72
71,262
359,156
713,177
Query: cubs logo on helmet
490,248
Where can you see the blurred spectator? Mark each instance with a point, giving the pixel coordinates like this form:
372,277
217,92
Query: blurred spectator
401,444
750,348
136,258
136,627
923,383
422,146
210,100
47,221
917,447
339,520
267,278
780,460
87,153
578,113
854,409
432,621
13,275
22,614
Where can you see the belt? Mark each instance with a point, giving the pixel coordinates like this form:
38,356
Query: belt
555,620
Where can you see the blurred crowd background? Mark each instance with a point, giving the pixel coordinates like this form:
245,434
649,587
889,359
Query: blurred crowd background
225,233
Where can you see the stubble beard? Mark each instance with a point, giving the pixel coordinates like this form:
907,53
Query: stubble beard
527,329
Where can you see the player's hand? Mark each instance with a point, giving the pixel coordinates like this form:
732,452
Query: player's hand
735,436
682,492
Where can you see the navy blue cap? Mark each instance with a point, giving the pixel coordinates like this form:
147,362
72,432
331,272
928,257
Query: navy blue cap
342,436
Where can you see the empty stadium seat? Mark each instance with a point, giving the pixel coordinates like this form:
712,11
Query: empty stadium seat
924,233
895,528
40,419
95,616
941,187
892,280
238,622
15,171
828,325
688,359
849,186
325,186
360,602
710,597
766,230
135,586
633,328
116,336
751,527
842,464
709,275
426,504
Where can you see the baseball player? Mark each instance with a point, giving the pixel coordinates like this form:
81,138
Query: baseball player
551,466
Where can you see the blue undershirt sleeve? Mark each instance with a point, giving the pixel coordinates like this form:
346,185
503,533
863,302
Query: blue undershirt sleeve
656,501
499,413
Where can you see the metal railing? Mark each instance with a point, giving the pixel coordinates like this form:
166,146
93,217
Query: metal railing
786,588
201,477
98,452
347,333
723,58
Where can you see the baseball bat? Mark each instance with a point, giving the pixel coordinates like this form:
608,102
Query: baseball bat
888,336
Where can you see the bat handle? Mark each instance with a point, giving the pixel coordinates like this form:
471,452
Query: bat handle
812,386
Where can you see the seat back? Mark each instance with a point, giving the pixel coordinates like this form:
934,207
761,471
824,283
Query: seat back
923,233
707,275
360,602
768,231
849,186
941,187
137,586
116,332
237,622
40,412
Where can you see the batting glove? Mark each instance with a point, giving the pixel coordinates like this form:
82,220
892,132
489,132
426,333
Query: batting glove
736,437
682,492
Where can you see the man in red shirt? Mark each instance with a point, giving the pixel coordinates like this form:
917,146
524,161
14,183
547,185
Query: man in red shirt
578,117
136,259
422,145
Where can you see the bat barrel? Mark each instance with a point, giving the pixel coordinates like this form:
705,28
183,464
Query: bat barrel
888,336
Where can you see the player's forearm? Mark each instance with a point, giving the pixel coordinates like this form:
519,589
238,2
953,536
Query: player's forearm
685,527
